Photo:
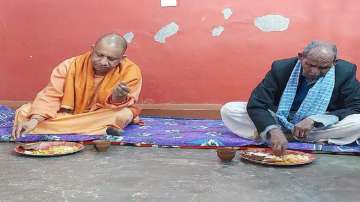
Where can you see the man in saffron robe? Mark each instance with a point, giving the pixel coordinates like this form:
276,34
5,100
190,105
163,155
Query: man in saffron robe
86,94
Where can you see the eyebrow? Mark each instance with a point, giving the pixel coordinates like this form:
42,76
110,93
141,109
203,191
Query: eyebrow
325,66
109,57
112,58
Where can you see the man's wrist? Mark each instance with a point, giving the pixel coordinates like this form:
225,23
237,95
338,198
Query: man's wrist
118,100
38,118
274,131
35,120
265,133
315,123
312,120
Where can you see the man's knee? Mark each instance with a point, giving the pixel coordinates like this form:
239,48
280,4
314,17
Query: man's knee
353,118
224,111
230,108
123,117
349,123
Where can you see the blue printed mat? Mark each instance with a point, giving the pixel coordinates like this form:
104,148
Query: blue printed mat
168,132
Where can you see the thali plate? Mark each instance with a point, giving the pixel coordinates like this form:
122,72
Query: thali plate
264,156
49,149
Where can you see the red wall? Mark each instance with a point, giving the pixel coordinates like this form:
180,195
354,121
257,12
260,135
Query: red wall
192,66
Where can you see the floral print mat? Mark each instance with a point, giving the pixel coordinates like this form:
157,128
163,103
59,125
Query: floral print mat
168,132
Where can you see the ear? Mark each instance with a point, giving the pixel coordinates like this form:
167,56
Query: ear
336,59
300,56
334,63
92,47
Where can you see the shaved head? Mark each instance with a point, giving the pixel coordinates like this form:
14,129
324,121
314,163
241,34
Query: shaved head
112,40
108,52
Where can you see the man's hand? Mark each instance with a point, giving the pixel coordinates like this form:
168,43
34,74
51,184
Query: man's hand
120,93
278,141
303,128
24,127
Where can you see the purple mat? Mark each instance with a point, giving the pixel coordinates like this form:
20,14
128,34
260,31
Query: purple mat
168,132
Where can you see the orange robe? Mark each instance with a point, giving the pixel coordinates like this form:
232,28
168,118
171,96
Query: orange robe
93,109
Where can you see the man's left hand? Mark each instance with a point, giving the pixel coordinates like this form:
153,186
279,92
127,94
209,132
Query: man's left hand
24,128
303,128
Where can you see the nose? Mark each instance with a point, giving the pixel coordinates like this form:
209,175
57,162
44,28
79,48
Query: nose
315,71
104,61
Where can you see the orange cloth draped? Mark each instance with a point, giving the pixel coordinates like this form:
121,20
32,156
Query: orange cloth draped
79,84
73,85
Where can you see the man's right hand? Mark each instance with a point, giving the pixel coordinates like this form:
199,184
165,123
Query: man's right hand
120,93
24,127
278,141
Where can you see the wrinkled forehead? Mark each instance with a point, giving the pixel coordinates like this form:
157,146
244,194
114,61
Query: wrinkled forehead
321,56
109,49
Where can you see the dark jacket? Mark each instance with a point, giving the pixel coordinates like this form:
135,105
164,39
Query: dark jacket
345,99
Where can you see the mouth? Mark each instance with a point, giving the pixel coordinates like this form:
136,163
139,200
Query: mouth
312,78
101,68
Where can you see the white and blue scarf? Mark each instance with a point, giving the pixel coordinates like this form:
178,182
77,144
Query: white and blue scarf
315,102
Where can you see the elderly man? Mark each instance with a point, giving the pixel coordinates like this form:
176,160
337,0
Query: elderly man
87,94
313,97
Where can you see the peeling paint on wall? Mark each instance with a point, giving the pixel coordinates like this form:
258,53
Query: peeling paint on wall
165,32
272,23
217,31
129,37
166,3
227,13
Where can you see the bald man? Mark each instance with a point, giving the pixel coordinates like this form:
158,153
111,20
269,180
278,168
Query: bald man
314,97
88,94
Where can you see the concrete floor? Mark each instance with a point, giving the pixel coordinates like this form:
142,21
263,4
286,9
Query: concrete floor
160,174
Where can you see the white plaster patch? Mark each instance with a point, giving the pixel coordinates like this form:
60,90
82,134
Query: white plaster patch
165,32
227,12
272,23
217,31
129,37
166,3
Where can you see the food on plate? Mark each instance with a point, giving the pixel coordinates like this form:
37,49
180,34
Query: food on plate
270,158
53,150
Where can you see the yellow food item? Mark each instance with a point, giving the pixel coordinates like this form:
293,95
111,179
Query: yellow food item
270,158
287,159
61,149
